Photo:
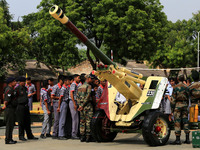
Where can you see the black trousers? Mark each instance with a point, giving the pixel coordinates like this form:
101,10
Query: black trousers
24,121
10,122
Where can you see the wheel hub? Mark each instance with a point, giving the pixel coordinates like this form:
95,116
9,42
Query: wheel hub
158,129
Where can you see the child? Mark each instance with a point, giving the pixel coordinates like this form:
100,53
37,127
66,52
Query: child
46,106
62,108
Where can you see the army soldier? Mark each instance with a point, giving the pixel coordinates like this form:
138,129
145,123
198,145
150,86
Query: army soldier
31,91
10,107
82,79
179,105
23,114
84,101
55,95
194,89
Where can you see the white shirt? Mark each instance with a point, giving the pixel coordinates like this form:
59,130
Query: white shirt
120,98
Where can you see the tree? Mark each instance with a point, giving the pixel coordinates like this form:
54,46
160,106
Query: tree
133,29
180,49
13,45
52,45
6,13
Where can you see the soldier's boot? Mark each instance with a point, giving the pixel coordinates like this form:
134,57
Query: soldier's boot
83,138
177,141
187,140
88,139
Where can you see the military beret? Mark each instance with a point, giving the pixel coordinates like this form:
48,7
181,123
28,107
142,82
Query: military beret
195,75
21,79
28,78
181,77
92,76
10,79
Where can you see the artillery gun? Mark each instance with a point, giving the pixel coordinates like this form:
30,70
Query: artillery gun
140,113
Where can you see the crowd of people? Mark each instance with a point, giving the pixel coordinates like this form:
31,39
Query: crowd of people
179,96
79,95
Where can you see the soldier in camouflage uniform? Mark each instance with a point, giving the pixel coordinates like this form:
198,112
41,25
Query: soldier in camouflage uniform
194,89
84,101
179,105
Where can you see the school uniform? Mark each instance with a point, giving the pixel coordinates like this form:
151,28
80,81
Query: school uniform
56,92
99,92
64,93
74,113
31,89
47,122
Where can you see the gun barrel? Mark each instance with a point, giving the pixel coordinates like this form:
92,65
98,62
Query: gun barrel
58,14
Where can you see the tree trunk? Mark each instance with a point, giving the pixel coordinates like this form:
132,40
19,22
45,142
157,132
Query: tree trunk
63,70
90,59
185,73
52,69
165,72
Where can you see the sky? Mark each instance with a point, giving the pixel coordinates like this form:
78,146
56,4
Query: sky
174,9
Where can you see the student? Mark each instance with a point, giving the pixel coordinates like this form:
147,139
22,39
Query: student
50,88
73,106
31,91
46,106
55,95
82,79
100,90
62,107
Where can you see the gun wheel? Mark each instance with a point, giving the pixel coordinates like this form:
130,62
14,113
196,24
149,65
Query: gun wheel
156,130
100,127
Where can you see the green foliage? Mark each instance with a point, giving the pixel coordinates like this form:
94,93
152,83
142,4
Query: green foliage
133,29
13,46
6,13
180,45
52,44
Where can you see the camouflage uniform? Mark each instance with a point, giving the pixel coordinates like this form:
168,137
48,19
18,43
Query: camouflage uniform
194,93
84,99
179,106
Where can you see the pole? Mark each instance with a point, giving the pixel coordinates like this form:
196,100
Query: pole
112,55
198,54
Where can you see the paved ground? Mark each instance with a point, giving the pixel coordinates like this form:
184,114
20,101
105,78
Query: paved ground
122,142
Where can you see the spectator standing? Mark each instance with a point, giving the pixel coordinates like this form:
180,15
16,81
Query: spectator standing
73,106
31,91
63,107
55,95
46,106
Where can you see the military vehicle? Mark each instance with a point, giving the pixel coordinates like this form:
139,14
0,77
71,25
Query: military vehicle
140,112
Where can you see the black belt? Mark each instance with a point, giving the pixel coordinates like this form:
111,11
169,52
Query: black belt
23,104
195,101
183,101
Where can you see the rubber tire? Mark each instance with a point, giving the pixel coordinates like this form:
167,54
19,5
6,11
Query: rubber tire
96,128
147,127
